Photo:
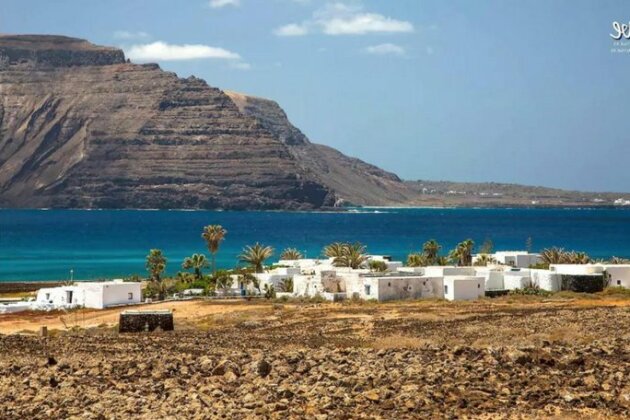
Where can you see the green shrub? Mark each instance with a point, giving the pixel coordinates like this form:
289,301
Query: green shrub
530,291
200,284
377,266
540,266
270,291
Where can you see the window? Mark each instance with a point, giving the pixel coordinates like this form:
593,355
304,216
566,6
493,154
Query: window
130,296
47,296
446,289
367,289
478,285
389,284
618,282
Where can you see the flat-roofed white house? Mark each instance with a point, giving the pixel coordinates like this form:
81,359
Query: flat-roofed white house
464,287
493,277
618,274
448,270
277,275
520,259
513,280
97,295
587,278
577,269
546,279
393,286
391,265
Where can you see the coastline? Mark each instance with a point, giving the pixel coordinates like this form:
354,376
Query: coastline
349,209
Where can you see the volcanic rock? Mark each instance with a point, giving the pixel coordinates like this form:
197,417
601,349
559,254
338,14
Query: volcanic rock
81,127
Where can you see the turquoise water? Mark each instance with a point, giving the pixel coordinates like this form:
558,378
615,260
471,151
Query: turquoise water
46,245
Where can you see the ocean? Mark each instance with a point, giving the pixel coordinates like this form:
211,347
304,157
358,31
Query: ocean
47,244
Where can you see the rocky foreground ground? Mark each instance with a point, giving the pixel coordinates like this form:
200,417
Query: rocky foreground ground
345,361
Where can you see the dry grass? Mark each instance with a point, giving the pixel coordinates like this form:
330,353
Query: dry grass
21,295
399,341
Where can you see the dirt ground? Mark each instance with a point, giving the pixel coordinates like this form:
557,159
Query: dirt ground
88,318
525,357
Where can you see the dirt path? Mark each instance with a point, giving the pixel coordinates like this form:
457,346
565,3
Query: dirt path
196,310
85,318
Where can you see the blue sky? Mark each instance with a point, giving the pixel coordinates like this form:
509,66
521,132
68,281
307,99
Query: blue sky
506,91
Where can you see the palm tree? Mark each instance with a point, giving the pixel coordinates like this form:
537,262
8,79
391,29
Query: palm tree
334,250
579,258
467,247
290,254
416,260
156,264
256,255
462,254
431,249
286,285
196,262
484,259
441,260
552,255
352,255
222,280
213,235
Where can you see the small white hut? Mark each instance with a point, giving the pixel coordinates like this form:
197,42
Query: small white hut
97,295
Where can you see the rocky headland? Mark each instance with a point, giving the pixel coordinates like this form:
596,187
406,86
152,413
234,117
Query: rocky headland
82,127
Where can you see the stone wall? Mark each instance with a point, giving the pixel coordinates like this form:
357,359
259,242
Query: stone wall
582,284
145,321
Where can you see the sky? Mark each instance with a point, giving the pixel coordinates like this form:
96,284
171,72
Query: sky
529,92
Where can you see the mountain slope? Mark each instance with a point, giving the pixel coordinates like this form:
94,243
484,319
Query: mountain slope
81,127
353,181
357,182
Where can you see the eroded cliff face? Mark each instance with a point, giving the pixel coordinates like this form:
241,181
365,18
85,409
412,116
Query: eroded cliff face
353,180
80,127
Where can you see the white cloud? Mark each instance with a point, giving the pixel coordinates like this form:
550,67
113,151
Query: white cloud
218,4
131,35
343,19
161,51
364,23
385,49
292,29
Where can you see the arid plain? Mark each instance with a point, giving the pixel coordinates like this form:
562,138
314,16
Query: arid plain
515,356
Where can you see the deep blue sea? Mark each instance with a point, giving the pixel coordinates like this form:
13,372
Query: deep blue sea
47,244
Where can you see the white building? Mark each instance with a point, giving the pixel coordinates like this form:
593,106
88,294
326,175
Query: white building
464,287
97,295
519,259
577,269
276,276
393,286
391,265
618,275
493,277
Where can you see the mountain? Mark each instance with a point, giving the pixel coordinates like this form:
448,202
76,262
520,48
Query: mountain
82,127
353,181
